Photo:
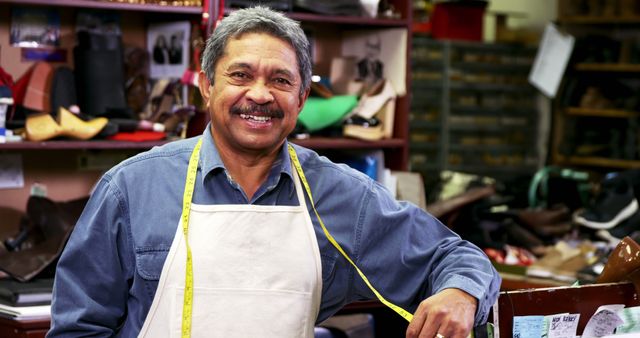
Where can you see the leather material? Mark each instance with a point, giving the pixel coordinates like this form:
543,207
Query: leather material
338,7
48,225
37,95
99,70
442,208
63,89
623,264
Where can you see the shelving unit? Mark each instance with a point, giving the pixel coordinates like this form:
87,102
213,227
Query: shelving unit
326,30
125,6
57,160
472,109
599,130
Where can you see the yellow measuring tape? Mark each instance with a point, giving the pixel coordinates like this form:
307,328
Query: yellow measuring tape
402,312
187,305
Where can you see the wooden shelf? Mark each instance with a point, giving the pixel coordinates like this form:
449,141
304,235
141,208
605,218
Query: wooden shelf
512,282
609,67
346,143
602,20
78,145
314,143
599,162
576,111
348,20
109,5
341,20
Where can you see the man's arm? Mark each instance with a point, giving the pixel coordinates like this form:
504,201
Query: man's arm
90,289
420,264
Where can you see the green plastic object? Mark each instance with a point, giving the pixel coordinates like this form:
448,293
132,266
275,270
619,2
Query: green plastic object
319,113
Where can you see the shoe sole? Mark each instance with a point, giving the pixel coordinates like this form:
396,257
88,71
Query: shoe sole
625,213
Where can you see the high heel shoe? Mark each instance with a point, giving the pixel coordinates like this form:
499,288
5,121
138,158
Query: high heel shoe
623,264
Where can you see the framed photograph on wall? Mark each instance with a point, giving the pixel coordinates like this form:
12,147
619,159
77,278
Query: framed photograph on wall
35,28
168,46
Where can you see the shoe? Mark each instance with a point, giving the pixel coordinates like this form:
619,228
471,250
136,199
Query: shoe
553,222
42,127
380,106
626,227
568,270
520,236
623,264
447,206
52,222
374,100
547,266
614,203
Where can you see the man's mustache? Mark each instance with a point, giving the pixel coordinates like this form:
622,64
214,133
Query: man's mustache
265,110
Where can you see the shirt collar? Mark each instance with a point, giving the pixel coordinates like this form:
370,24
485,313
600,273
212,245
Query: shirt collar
210,157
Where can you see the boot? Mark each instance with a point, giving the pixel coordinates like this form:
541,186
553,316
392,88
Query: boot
623,264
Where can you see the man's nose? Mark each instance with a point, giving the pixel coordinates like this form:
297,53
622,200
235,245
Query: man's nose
260,93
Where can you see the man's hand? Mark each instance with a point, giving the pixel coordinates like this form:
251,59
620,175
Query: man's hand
449,313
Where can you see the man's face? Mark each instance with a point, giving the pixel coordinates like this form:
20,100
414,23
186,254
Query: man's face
255,99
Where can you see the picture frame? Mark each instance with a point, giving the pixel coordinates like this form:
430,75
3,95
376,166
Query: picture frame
168,47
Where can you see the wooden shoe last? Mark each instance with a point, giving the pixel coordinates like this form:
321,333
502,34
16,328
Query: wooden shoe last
42,127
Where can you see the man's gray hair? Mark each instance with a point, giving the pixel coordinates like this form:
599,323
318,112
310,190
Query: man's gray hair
258,20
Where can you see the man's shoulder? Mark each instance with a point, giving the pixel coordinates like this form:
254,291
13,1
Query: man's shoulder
171,154
318,166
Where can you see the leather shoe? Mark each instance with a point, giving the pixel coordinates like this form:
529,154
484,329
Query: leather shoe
47,229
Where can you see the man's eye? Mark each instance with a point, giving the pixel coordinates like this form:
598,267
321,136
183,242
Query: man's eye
283,81
239,75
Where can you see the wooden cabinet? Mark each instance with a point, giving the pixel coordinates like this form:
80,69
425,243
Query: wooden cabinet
32,328
597,108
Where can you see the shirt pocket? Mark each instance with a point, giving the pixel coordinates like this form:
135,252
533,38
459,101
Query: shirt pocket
149,263
328,269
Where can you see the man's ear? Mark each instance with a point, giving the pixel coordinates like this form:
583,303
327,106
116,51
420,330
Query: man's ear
203,85
303,99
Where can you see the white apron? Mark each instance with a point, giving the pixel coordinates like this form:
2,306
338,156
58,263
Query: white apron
256,273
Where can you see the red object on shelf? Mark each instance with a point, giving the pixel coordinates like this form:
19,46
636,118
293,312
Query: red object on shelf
138,136
421,27
458,20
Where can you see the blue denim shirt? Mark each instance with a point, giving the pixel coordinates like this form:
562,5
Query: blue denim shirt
108,273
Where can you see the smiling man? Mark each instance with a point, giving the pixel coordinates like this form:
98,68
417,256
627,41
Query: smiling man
238,233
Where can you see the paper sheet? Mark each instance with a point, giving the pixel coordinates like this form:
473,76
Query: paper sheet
563,325
11,174
390,51
551,60
631,317
528,326
603,321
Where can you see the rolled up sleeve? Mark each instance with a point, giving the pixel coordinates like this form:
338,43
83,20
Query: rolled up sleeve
411,255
